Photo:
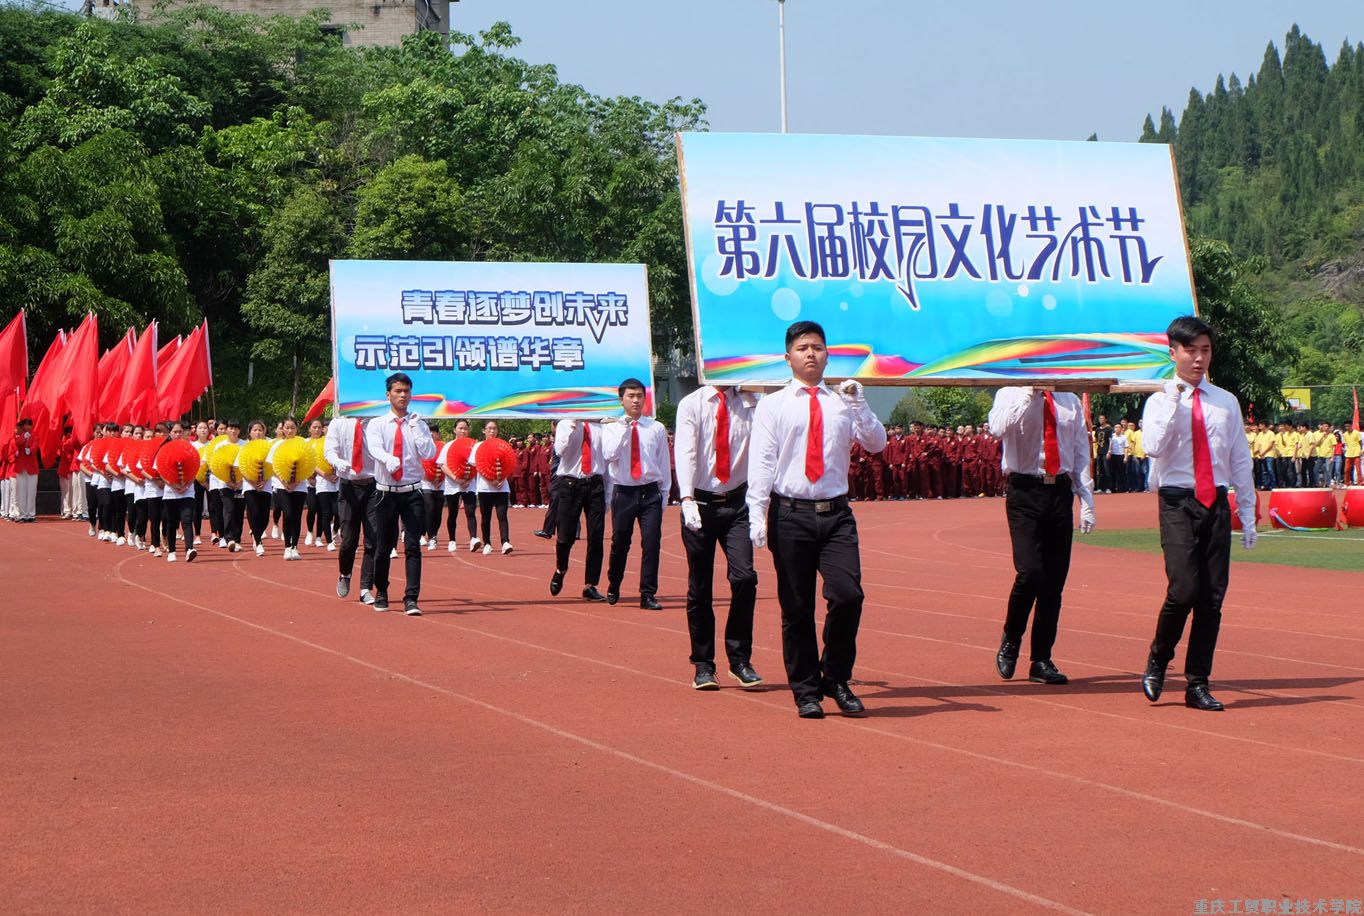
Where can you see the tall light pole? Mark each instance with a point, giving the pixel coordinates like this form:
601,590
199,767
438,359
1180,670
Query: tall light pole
781,43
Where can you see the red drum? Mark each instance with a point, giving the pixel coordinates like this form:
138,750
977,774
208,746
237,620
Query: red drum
1311,508
1353,509
1236,518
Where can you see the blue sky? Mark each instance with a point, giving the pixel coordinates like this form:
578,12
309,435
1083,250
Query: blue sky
1056,70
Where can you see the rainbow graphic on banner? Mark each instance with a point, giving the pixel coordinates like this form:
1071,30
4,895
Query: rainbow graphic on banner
559,402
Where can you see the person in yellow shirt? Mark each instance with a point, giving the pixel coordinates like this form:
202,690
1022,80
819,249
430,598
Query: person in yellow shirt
1353,442
1137,460
1323,449
1266,452
1306,451
1287,441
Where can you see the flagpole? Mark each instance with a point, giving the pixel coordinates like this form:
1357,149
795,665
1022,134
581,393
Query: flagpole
781,46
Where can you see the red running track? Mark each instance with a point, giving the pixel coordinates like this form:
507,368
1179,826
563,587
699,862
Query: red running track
228,737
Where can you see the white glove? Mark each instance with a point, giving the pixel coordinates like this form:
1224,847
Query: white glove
691,514
393,464
341,466
623,421
757,532
1249,536
851,391
1086,519
1173,388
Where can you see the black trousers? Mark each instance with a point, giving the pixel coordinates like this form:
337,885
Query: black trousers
551,522
257,513
127,516
218,500
153,511
291,503
805,542
103,507
352,514
724,523
325,516
178,513
310,509
487,503
1040,518
231,514
579,497
1117,473
200,497
628,505
452,503
1197,545
433,502
385,509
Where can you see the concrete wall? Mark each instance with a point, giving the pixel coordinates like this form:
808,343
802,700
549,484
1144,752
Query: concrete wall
377,22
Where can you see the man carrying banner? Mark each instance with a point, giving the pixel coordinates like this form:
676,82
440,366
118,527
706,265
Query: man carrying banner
1193,435
579,489
344,449
637,461
798,463
1046,459
711,446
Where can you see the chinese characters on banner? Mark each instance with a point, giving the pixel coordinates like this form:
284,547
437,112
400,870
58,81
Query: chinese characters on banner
509,340
934,259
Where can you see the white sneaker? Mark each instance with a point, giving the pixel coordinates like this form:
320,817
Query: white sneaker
223,543
197,542
215,540
121,541
90,532
137,542
487,550
308,539
274,533
474,545
155,551
453,546
190,555
393,554
260,550
422,540
233,547
431,545
170,556
331,547
506,548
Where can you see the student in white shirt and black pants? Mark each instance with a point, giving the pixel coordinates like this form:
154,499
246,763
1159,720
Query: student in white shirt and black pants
345,451
398,441
798,463
1194,433
637,464
711,448
1046,460
579,490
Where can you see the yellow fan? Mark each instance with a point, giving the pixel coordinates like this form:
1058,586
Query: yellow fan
222,463
201,476
252,460
319,447
294,461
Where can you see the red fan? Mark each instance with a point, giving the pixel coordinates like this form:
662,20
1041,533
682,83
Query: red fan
132,457
457,459
177,462
97,453
496,460
148,457
431,470
113,458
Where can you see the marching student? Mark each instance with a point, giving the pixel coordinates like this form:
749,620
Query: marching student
202,502
233,506
90,493
290,496
256,493
177,505
25,473
398,441
118,496
457,493
153,491
1046,458
1193,434
65,469
433,497
311,531
326,484
344,448
579,489
493,495
640,470
711,447
137,486
798,465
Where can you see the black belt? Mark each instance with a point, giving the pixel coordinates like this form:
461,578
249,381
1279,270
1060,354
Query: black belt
817,505
632,487
1185,492
710,498
1038,480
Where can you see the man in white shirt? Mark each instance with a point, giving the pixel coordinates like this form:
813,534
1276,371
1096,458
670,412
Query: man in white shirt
1193,433
579,489
637,464
1046,458
344,449
711,448
798,463
398,442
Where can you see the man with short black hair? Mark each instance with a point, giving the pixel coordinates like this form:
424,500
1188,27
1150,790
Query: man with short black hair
640,471
1193,435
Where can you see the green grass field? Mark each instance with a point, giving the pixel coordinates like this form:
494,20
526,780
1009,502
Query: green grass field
1342,550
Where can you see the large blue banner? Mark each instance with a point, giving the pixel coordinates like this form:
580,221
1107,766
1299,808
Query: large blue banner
934,260
491,340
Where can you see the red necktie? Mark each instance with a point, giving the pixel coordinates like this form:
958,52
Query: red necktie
1205,487
398,448
814,440
357,456
1051,449
587,451
722,441
636,470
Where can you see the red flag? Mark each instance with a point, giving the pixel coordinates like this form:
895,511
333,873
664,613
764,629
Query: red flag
169,350
325,398
136,398
42,391
13,374
186,375
1354,393
78,392
112,365
1085,398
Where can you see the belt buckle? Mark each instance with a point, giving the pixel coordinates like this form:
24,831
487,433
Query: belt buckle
823,505
1049,478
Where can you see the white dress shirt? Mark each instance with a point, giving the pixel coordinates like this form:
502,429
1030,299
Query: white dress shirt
1117,443
776,452
417,445
1016,419
655,466
339,448
1167,437
568,445
694,441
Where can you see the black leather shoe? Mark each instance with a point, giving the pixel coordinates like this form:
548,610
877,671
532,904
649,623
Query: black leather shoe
556,582
705,679
745,675
650,603
591,594
847,701
611,597
1006,658
542,534
809,709
1044,672
1197,697
1153,681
